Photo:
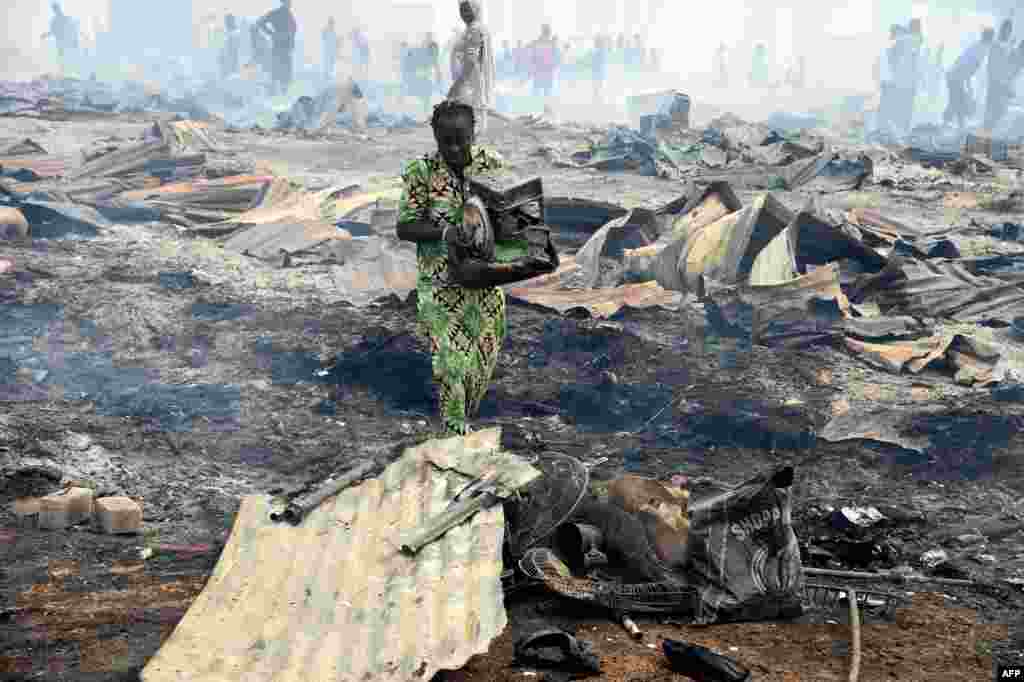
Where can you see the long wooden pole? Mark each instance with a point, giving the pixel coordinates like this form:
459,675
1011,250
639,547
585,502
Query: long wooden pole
855,643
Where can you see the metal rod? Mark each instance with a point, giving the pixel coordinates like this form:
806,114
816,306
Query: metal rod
855,625
432,529
895,577
298,508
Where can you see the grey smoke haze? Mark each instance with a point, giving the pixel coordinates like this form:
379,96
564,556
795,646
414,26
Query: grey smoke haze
839,39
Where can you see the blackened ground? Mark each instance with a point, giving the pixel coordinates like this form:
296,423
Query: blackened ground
187,385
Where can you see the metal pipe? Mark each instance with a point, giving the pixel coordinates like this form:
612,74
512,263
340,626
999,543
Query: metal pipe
433,528
299,507
895,577
855,642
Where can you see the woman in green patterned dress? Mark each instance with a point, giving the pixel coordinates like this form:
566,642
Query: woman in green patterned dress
465,324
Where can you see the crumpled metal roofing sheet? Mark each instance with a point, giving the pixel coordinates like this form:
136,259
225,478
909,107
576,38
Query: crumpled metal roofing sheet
600,302
944,289
45,166
333,599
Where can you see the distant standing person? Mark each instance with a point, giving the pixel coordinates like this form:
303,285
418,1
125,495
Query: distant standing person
64,32
759,66
889,66
329,48
721,67
961,104
449,53
405,62
795,73
427,71
636,54
360,54
506,62
599,67
656,59
1000,87
545,62
282,29
473,67
937,68
229,59
260,48
909,80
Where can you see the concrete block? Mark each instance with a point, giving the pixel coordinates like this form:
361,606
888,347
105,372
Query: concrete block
26,510
118,515
66,508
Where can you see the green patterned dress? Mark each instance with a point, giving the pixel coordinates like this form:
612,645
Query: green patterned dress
466,327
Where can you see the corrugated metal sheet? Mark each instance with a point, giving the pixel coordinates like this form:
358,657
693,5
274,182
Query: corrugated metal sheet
195,135
942,289
375,267
725,250
43,166
24,147
716,201
885,426
782,312
284,202
350,205
883,227
977,363
636,229
688,255
334,600
895,356
123,161
170,191
776,262
82,190
268,241
600,302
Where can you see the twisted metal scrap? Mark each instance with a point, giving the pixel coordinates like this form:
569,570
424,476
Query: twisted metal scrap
541,564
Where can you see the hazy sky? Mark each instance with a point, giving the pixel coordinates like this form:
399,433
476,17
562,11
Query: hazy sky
839,38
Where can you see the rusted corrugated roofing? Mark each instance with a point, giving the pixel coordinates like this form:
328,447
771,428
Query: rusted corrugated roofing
123,161
284,202
725,250
895,356
43,166
294,220
782,311
195,135
636,229
167,192
268,241
334,599
379,266
882,226
600,302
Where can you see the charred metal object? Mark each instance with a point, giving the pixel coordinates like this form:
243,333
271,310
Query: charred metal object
547,502
298,508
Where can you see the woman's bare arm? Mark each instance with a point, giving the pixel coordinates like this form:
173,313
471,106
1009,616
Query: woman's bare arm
478,274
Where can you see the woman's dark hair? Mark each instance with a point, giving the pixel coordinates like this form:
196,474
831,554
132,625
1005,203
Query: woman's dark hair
451,108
